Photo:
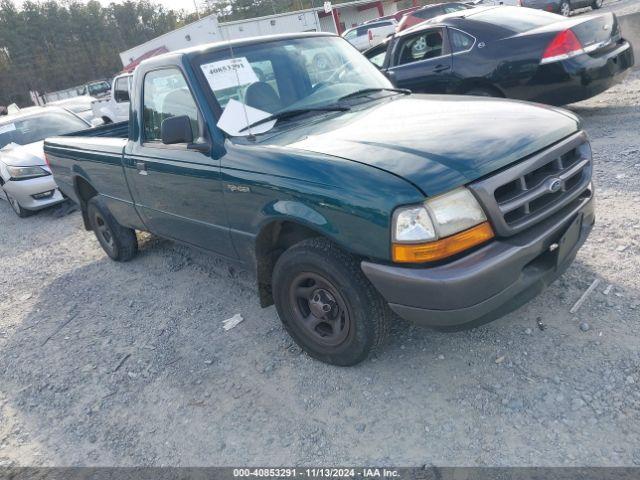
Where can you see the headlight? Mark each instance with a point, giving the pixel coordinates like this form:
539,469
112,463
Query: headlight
442,226
23,173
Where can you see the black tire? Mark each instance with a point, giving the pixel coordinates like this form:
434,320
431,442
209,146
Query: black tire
350,320
596,5
118,242
16,207
564,8
483,92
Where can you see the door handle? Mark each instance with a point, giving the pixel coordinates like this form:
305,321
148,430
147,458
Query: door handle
142,167
441,68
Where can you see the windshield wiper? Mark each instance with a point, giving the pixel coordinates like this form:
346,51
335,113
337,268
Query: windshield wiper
293,113
364,91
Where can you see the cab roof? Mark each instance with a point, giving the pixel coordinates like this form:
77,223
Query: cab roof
225,44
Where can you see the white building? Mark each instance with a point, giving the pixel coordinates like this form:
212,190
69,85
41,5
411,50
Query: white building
207,30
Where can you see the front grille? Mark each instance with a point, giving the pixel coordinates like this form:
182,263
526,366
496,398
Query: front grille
537,187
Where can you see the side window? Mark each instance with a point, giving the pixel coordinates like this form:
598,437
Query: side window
422,46
460,41
121,90
351,35
377,55
166,95
428,13
363,31
453,8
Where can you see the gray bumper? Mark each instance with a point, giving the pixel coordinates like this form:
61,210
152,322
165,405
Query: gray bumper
23,190
487,283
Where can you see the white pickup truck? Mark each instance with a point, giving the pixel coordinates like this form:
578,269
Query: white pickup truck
115,108
370,34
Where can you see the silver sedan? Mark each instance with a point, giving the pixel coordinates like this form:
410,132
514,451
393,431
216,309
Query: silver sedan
25,178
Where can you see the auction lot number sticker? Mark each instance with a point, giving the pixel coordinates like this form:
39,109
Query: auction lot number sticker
316,472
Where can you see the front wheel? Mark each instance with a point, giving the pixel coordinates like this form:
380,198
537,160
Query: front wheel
565,8
120,243
326,303
21,212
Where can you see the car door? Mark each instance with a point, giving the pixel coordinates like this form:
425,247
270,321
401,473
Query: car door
176,188
422,62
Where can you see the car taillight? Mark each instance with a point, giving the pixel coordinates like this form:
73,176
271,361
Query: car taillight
370,35
564,45
46,160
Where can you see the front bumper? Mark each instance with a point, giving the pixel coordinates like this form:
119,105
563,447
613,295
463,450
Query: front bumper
578,78
486,283
23,191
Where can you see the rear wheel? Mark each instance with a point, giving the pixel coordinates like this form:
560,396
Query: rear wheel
21,212
596,4
119,242
326,303
565,8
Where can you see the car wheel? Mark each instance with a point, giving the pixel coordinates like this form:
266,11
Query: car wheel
326,303
482,92
120,243
596,4
565,8
21,212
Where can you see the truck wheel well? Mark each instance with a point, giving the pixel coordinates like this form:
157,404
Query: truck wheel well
271,242
85,193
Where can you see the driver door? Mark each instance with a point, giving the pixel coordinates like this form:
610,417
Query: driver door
177,189
422,62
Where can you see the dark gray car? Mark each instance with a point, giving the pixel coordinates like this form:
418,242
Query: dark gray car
563,7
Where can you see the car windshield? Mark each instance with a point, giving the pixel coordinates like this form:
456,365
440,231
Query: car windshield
25,130
302,73
98,88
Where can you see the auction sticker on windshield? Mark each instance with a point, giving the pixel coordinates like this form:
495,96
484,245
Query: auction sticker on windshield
10,127
233,72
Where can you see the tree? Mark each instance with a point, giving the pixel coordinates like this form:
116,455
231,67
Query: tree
51,46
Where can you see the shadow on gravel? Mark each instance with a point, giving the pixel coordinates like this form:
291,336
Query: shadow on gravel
127,364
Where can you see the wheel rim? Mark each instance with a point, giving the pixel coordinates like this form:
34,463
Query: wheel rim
104,233
319,309
598,3
565,9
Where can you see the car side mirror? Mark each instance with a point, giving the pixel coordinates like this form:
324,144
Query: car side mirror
176,130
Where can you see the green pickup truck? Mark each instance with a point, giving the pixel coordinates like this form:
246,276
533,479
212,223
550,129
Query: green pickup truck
351,201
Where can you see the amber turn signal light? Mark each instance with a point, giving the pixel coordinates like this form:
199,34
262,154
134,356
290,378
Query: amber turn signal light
443,248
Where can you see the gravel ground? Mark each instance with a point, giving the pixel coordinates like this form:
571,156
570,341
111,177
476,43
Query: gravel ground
127,364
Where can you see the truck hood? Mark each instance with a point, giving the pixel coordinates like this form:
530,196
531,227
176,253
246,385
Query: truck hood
436,142
28,155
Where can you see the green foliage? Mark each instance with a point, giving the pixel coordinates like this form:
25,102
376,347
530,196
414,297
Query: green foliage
49,46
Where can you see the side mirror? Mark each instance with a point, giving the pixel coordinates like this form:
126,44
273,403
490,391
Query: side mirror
96,122
176,130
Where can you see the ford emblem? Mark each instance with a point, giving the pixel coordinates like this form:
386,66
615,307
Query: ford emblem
554,185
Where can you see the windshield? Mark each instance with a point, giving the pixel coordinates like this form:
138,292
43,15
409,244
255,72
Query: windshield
272,77
98,88
25,130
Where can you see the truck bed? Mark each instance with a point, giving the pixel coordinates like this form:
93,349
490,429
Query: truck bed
114,130
95,155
